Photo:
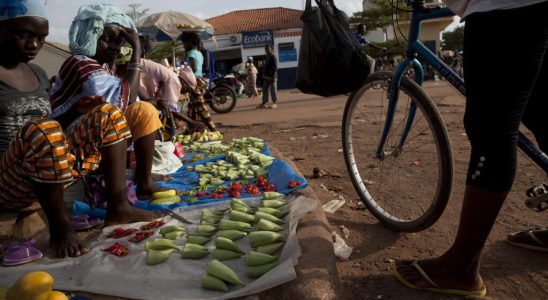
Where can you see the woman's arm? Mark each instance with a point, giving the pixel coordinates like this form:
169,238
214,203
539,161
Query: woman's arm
134,66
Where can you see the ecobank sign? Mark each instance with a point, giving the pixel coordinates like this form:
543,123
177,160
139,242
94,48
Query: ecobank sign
257,39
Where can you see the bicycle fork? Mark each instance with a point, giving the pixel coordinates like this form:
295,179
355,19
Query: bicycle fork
393,94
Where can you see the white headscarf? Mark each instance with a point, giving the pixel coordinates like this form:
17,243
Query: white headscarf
11,9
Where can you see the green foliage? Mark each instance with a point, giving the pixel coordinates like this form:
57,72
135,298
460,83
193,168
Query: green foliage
135,12
453,40
163,50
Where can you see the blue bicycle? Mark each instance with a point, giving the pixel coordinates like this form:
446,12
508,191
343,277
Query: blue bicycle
394,138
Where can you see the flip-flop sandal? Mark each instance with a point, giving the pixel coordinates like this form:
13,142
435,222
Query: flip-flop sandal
541,246
435,287
84,222
19,251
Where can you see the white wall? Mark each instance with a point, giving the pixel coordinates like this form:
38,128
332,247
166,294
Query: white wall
260,51
50,59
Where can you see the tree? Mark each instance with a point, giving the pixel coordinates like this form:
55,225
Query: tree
379,14
453,40
135,12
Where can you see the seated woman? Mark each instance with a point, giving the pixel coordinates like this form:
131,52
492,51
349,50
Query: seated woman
37,158
96,36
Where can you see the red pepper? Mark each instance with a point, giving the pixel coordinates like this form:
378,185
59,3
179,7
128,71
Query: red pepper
117,249
216,195
293,184
236,186
261,182
141,235
270,188
153,225
234,194
252,189
119,233
202,194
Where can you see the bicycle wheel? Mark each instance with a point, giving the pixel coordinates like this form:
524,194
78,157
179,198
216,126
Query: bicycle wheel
223,99
408,189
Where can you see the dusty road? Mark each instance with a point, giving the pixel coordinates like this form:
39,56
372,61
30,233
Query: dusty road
509,272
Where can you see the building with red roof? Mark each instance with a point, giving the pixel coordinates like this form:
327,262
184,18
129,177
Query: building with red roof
244,33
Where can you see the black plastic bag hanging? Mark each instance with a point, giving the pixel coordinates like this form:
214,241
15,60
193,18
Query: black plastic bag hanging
331,60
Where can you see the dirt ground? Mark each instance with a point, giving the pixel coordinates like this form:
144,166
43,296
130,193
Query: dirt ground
294,127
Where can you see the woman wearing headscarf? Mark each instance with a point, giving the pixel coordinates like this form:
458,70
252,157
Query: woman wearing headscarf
251,71
96,36
38,154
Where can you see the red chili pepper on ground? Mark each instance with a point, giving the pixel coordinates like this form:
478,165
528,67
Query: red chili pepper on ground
293,184
234,194
153,225
216,195
117,249
270,188
119,233
141,235
252,189
236,186
202,194
261,182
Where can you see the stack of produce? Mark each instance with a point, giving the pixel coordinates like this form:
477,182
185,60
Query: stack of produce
165,197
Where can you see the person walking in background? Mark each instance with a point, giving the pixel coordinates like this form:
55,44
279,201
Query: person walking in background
251,83
270,78
362,39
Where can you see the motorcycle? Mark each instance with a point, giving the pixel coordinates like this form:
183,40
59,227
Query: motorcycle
221,94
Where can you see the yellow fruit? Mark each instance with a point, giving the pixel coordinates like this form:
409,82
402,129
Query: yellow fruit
164,194
31,286
56,295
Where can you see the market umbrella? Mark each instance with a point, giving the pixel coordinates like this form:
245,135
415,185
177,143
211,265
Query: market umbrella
169,25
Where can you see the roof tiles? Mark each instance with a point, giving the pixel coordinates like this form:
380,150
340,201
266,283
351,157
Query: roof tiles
276,18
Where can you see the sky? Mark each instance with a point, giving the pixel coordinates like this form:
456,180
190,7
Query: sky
62,12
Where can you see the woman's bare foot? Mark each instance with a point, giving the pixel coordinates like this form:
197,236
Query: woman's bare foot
125,213
146,191
65,243
443,274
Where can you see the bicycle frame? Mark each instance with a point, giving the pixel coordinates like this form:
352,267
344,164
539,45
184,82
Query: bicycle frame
416,47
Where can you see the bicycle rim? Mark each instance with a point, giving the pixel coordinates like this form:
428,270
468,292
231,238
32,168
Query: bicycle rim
408,189
223,99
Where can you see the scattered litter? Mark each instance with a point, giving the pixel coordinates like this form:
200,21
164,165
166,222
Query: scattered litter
379,297
345,231
297,138
289,130
463,134
368,182
357,205
324,188
416,163
340,150
334,188
356,264
320,136
342,250
333,205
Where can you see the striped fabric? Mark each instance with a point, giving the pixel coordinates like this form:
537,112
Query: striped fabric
40,152
197,109
81,76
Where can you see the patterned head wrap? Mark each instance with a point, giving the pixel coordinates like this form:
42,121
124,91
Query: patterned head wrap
11,9
87,27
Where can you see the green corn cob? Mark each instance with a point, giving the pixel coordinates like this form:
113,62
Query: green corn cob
235,215
199,240
223,254
242,208
273,203
174,235
214,283
211,213
261,215
227,224
273,211
238,202
191,253
232,234
204,234
221,271
206,229
255,258
227,244
155,257
272,195
258,271
195,246
213,220
259,238
266,225
269,248
169,229
160,244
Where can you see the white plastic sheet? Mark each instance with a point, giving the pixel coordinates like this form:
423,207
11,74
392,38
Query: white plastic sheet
130,277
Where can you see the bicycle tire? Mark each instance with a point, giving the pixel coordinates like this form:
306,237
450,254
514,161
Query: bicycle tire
225,92
442,145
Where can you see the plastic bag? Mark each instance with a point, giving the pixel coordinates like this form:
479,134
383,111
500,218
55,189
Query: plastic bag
165,161
331,60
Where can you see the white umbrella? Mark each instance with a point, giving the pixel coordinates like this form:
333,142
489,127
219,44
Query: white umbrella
169,25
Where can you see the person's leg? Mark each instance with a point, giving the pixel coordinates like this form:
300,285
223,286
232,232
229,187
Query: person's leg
266,88
495,104
371,61
105,129
143,120
254,91
36,167
274,90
